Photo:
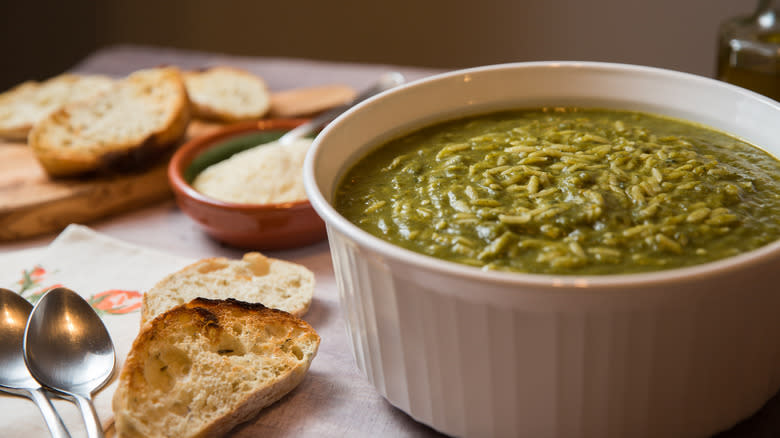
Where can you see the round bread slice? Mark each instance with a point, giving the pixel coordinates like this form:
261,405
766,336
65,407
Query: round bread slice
202,368
255,279
26,104
128,127
227,94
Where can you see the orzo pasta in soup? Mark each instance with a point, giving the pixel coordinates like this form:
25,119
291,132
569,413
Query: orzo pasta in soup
567,191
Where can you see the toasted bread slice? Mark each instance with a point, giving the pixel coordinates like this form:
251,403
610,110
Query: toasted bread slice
255,279
202,368
128,127
227,94
26,104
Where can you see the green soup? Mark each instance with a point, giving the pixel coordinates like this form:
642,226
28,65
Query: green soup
567,191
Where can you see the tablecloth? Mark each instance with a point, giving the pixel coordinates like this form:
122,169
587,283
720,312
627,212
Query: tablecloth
334,400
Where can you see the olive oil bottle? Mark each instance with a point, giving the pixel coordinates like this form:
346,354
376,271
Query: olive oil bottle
749,50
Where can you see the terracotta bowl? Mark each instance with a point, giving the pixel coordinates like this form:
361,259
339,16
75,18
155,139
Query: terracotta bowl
246,226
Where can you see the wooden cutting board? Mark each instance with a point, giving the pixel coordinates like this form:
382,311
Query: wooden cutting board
31,203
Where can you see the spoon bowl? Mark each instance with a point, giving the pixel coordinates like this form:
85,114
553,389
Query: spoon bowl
14,376
14,311
69,350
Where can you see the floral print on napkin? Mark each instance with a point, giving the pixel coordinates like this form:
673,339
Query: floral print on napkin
32,286
31,281
116,301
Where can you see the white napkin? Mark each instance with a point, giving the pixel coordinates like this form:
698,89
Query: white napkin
112,275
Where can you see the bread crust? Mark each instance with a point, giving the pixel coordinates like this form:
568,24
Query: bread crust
289,342
63,147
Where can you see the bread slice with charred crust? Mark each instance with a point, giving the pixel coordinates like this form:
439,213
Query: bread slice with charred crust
202,368
129,126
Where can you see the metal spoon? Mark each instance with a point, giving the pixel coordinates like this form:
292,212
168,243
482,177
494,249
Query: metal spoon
14,377
68,349
385,82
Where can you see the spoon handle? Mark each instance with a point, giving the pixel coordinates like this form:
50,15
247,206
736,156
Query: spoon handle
50,416
91,421
385,82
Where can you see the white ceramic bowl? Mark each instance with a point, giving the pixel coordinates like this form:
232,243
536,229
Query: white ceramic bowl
681,353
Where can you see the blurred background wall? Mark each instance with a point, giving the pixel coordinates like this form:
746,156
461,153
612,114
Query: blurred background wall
39,39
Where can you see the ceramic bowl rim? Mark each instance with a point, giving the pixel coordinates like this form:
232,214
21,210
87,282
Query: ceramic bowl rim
592,283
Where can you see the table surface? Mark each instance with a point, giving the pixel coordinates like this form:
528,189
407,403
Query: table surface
334,399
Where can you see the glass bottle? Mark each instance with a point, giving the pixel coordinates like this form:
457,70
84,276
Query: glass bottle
749,50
